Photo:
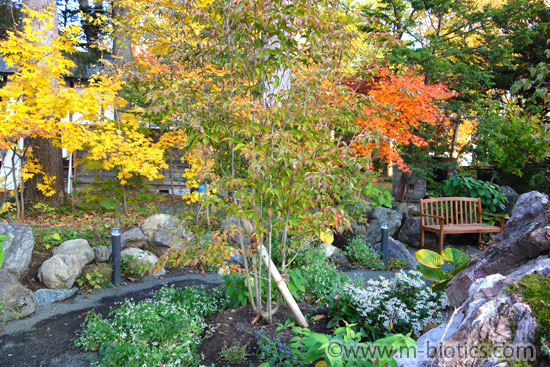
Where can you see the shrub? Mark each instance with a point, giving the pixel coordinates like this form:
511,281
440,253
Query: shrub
162,331
465,185
361,254
402,304
322,280
274,352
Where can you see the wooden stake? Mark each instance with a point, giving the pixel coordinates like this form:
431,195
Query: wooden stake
300,319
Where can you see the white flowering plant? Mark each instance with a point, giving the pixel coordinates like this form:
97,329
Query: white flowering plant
402,304
162,331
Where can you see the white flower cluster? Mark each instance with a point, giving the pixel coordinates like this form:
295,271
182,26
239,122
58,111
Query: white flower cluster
401,304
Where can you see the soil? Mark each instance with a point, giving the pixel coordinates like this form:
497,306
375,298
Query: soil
29,277
234,327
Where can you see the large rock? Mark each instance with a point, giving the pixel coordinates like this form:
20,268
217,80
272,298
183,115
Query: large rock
381,215
397,250
45,297
139,259
17,248
163,231
526,236
511,198
493,316
238,230
16,300
78,247
60,271
409,233
133,238
102,253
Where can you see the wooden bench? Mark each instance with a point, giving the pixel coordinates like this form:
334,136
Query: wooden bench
451,215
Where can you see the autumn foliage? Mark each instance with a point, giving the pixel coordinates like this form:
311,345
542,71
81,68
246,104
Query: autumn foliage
397,105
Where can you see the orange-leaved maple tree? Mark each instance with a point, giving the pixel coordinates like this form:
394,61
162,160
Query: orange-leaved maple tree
397,105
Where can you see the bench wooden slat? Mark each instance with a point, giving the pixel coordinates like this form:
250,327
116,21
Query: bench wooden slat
454,215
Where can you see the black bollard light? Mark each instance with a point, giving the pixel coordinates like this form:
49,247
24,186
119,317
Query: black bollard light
384,233
115,246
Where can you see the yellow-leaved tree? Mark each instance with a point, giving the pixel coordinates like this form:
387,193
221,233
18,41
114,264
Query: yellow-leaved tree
37,103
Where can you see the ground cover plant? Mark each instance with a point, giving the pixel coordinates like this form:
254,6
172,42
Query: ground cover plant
165,330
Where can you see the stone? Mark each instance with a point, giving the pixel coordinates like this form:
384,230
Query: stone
397,250
526,236
427,342
236,257
359,229
139,259
16,300
378,216
492,316
238,230
60,271
163,231
511,198
17,248
402,208
409,233
45,297
102,253
76,247
132,238
330,250
342,261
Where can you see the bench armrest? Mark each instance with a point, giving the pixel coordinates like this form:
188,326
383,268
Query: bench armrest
501,217
494,215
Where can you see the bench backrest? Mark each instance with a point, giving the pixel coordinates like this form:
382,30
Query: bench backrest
455,210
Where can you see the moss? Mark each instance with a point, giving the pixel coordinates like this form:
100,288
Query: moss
535,290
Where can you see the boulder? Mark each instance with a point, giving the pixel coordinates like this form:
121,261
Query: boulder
409,233
511,198
60,271
133,238
330,250
526,236
397,250
238,229
493,316
17,248
359,229
16,300
378,216
102,253
78,247
163,231
236,257
45,297
139,259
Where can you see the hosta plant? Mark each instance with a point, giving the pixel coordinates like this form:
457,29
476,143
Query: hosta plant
430,263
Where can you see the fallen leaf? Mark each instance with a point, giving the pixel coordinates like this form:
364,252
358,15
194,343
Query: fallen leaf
256,319
319,317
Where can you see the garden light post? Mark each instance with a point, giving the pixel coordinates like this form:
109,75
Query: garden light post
384,234
115,246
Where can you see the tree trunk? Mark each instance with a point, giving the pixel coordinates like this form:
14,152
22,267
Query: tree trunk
122,43
49,157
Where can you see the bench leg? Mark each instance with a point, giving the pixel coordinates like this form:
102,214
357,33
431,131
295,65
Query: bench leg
422,238
441,240
479,239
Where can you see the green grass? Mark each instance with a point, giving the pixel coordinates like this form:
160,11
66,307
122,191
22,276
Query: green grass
535,290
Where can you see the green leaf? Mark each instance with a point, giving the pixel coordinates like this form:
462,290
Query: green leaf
436,275
429,258
455,257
